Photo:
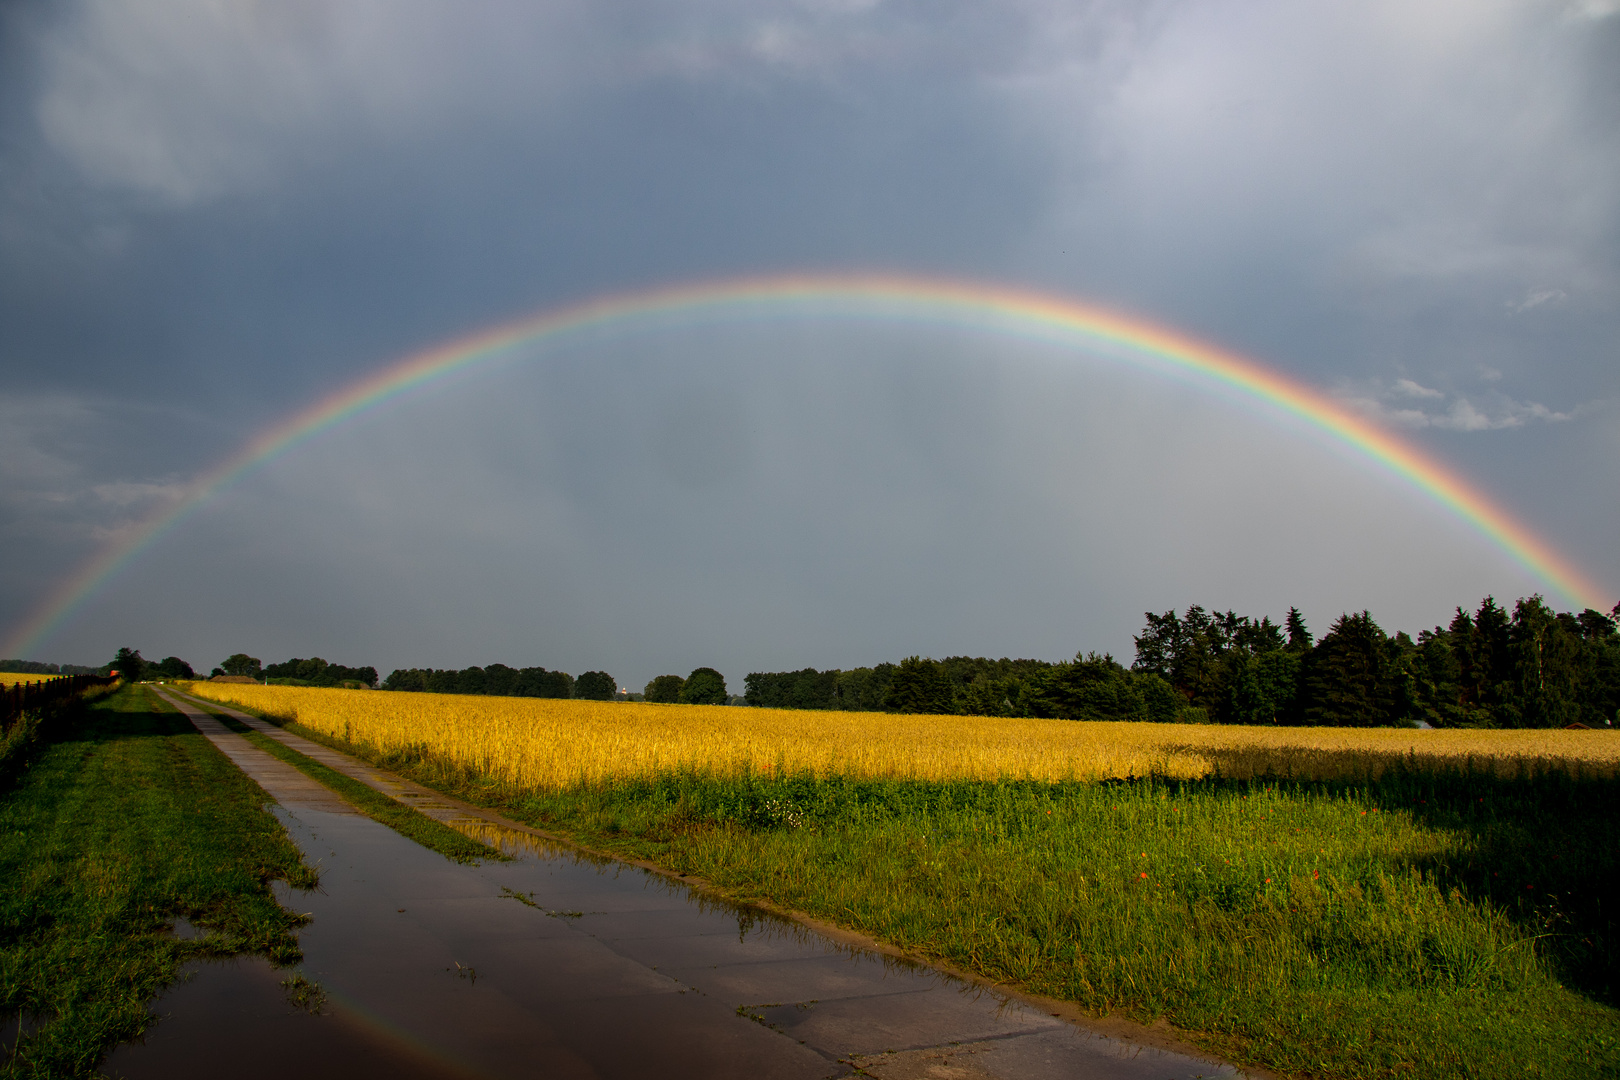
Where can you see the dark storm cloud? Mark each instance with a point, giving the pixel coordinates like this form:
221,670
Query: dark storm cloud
212,214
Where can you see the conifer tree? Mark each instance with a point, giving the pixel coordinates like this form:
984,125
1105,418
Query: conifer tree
1348,682
1299,636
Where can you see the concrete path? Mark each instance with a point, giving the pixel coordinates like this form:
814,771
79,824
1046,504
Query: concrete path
559,964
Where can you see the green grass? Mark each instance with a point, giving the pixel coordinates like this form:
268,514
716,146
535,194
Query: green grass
125,818
1415,925
408,822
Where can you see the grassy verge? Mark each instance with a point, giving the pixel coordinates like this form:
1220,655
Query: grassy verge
125,818
434,835
1415,925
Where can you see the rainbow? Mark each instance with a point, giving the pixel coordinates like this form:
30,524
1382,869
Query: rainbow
985,308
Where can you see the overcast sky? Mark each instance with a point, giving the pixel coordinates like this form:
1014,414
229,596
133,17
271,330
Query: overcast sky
214,213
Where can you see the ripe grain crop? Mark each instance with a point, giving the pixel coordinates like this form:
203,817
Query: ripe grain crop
539,744
12,678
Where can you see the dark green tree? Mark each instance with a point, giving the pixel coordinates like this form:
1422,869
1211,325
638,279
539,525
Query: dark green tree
705,686
1299,635
865,689
918,686
1483,646
471,680
665,689
1263,689
500,680
1348,681
1600,693
596,686
129,665
242,664
1093,687
1434,673
1196,651
172,667
1549,665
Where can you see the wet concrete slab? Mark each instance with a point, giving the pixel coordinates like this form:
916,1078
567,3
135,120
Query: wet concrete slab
564,964
285,784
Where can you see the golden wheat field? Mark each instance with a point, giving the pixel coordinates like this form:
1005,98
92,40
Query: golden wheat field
12,678
545,744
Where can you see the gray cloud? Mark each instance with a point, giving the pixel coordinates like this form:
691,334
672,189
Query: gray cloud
212,214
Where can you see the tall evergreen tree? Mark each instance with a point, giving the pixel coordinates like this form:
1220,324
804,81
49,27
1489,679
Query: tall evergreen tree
1299,636
1435,674
1347,680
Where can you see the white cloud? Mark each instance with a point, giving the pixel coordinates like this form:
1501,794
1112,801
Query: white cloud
1536,298
1411,389
1391,405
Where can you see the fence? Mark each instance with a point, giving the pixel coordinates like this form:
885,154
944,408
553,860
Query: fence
17,699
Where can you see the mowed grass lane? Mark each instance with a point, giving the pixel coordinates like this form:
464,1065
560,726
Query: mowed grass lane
125,818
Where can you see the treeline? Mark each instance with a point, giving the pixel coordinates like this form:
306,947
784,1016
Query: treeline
1533,667
36,667
318,672
132,667
705,686
504,681
298,671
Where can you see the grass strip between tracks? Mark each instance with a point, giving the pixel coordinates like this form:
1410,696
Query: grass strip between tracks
403,819
124,819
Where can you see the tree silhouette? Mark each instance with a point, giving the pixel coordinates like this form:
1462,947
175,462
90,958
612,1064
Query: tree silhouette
705,686
596,686
665,689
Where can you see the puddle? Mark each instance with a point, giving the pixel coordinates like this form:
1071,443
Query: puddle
519,844
13,1026
428,968
237,1018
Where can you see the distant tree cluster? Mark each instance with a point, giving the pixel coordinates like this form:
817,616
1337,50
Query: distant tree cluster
596,686
1534,667
240,664
35,667
133,668
318,672
964,684
705,686
496,679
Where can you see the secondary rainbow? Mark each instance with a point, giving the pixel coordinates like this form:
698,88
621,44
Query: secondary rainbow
988,308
